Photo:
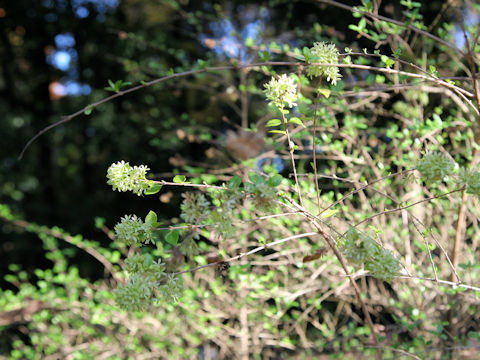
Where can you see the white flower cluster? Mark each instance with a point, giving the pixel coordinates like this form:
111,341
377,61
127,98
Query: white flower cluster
324,53
281,90
124,177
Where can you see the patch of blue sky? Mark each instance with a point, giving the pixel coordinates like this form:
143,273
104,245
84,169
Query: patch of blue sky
277,163
65,40
252,30
60,59
230,41
471,19
101,6
74,88
82,12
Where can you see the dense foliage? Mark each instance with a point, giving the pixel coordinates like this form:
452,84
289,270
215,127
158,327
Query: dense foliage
293,179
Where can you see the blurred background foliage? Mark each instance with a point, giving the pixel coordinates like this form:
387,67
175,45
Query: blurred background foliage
56,56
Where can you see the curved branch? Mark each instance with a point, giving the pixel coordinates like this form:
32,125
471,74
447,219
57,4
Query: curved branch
462,92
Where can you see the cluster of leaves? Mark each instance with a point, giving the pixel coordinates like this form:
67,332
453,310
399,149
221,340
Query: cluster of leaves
63,312
436,166
149,283
361,249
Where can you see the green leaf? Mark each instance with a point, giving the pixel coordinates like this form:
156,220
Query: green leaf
99,222
278,132
387,61
362,23
235,182
147,259
275,180
254,177
249,41
172,237
202,63
179,179
297,121
111,83
155,188
273,122
88,110
274,45
151,218
325,92
264,55
306,53
329,212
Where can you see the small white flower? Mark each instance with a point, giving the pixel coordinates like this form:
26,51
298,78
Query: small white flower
281,90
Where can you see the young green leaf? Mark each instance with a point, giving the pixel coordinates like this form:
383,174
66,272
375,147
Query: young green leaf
325,92
264,55
179,179
172,237
88,110
329,212
273,122
249,42
275,180
297,121
254,177
155,188
235,182
151,218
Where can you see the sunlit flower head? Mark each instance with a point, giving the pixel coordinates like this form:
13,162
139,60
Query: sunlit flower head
124,177
324,53
281,90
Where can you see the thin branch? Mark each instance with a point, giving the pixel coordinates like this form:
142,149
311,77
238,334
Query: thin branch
70,239
332,244
451,283
235,221
403,352
202,186
364,187
314,149
407,206
90,107
395,22
292,159
257,249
